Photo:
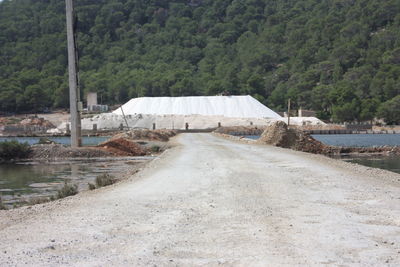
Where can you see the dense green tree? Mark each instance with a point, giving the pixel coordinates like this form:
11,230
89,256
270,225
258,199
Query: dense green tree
340,58
390,110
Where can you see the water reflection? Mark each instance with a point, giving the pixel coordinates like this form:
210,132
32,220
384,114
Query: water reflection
64,140
391,163
19,182
359,140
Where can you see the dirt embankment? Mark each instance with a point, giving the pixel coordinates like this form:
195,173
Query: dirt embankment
57,151
278,134
241,130
123,147
16,126
29,121
162,135
132,143
138,142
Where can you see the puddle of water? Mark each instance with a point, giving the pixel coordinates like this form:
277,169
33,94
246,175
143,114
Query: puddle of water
20,182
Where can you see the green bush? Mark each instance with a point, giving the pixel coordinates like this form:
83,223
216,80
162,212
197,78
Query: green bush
2,206
104,180
45,141
39,200
155,149
91,186
390,111
14,150
67,190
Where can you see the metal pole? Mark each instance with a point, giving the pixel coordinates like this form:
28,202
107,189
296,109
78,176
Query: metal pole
76,140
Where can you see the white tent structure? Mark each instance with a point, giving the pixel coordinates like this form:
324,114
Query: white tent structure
227,106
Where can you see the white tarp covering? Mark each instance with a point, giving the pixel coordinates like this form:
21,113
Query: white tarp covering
111,121
228,106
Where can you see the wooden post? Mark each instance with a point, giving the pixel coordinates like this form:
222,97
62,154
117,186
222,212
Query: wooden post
123,114
67,129
76,139
288,113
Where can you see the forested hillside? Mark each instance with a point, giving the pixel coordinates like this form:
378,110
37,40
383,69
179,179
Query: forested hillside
339,57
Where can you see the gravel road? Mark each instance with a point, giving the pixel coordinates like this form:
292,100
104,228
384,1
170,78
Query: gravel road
210,201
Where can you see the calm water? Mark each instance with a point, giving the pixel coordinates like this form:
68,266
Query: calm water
19,182
65,140
359,140
391,163
354,140
254,137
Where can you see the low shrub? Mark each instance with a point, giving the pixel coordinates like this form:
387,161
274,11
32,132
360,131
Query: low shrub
155,149
14,150
45,141
104,180
67,190
2,206
38,200
91,186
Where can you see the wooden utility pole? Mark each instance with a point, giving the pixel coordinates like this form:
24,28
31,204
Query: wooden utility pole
74,97
288,112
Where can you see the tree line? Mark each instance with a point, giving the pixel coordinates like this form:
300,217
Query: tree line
340,58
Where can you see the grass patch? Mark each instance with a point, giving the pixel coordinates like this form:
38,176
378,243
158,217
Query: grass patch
155,149
91,186
67,190
104,180
14,150
45,141
38,200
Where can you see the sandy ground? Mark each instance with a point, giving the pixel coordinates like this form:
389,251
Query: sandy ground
212,201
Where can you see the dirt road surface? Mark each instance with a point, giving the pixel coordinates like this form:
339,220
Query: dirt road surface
211,201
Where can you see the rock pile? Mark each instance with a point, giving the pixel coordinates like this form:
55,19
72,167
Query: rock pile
123,147
241,130
51,152
278,134
25,127
145,134
35,121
